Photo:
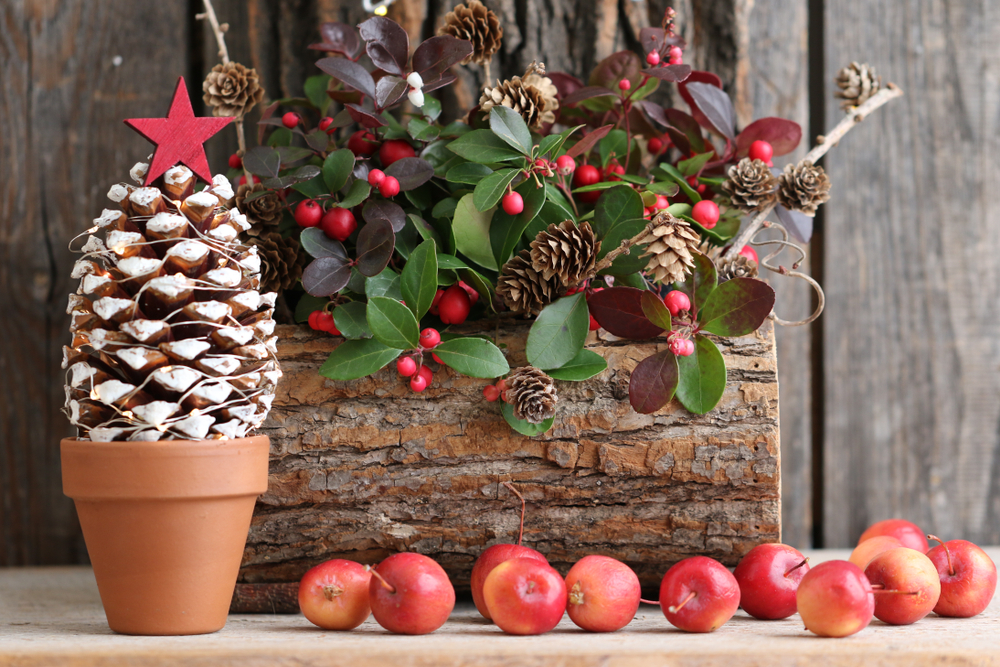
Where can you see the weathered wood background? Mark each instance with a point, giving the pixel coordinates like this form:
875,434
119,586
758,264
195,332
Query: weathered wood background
890,404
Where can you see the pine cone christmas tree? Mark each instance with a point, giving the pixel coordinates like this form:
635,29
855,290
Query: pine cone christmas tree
671,247
533,95
740,267
473,21
525,290
565,251
803,187
532,394
750,185
857,83
171,337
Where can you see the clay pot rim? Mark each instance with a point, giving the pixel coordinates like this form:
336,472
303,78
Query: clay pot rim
165,444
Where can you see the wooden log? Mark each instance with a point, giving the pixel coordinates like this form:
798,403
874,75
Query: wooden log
364,469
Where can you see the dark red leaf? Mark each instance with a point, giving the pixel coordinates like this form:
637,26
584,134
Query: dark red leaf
350,73
783,135
389,90
265,115
698,77
670,73
381,209
326,276
345,96
366,118
689,128
680,140
566,84
338,37
585,94
441,82
798,224
318,140
619,311
583,146
262,161
715,105
411,172
614,68
376,242
737,307
655,112
388,44
653,382
437,55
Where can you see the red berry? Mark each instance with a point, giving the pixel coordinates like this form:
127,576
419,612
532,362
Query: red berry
675,52
566,165
501,385
235,161
375,177
661,203
434,305
308,213
624,85
761,150
314,320
426,374
393,150
338,223
429,338
676,301
654,145
389,187
470,290
679,346
749,253
325,322
706,213
701,188
290,120
243,180
362,143
692,181
594,326
454,306
614,170
437,359
418,383
406,366
325,123
653,58
587,174
491,393
513,203
647,212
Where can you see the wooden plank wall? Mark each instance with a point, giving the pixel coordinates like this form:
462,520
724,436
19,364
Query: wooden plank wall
909,347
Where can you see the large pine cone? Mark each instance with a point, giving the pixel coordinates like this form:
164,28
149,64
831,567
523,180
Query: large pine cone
533,95
525,290
565,251
263,212
750,185
171,337
857,83
671,247
475,22
281,259
803,187
232,90
532,394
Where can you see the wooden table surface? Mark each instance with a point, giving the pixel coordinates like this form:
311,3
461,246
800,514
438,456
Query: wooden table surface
53,617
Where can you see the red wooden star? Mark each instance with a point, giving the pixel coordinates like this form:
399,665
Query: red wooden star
179,136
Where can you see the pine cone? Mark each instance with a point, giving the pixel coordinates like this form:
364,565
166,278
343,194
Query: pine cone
750,185
232,90
857,84
671,246
533,95
566,251
803,187
740,267
281,261
532,394
264,212
171,337
525,290
475,22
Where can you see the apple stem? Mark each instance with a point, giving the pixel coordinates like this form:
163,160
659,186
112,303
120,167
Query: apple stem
389,587
520,533
880,588
673,610
656,602
804,561
951,568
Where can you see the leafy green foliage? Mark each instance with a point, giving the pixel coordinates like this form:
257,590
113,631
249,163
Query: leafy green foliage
737,307
418,279
524,427
509,126
352,320
506,229
585,365
559,332
653,382
355,359
475,357
472,232
702,377
489,190
484,147
392,323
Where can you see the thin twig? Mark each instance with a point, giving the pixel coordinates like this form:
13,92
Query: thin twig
781,270
623,248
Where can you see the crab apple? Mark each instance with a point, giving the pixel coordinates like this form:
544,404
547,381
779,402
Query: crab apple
434,304
699,594
565,164
761,150
429,338
324,124
235,161
768,577
338,223
418,383
968,578
491,393
867,550
835,599
334,595
749,253
490,558
375,177
362,142
525,596
624,85
512,203
406,366
676,301
290,120
454,306
906,532
410,594
308,213
706,213
906,583
654,145
653,58
389,187
394,150
603,594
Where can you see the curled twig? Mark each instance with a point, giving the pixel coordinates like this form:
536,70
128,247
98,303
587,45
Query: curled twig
782,244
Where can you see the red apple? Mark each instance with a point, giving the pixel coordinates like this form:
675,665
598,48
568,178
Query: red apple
493,556
525,596
768,577
603,594
410,594
334,594
968,578
904,531
906,585
873,546
835,599
699,594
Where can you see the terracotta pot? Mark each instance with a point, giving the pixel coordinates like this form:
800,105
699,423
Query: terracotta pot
165,525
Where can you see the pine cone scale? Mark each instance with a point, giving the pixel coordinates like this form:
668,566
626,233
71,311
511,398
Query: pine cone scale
532,394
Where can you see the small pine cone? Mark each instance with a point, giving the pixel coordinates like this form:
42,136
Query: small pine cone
803,187
857,84
741,267
750,185
280,261
525,290
566,251
532,394
475,22
232,90
533,95
263,212
671,247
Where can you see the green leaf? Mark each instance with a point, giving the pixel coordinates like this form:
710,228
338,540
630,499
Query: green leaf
655,310
524,427
358,193
431,108
702,377
307,304
315,89
421,130
506,229
679,210
615,143
450,262
468,173
491,189
667,189
617,205
384,284
701,282
445,208
721,233
351,320
426,230
418,280
737,307
313,188
337,168
474,357
625,263
583,366
355,359
671,172
509,126
472,233
630,280
553,143
484,147
559,332
392,323
693,165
